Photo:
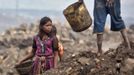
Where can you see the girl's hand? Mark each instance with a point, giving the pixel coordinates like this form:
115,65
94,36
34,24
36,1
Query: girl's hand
18,63
55,59
55,66
43,58
109,3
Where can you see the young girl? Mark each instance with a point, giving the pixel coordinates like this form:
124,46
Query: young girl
45,48
60,46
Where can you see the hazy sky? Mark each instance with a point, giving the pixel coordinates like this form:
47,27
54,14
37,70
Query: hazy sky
53,4
127,5
48,4
37,4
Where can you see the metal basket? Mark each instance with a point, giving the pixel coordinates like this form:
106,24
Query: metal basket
78,16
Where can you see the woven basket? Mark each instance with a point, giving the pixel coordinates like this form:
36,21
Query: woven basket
25,67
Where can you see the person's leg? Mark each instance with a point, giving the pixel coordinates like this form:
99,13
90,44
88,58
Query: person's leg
117,24
99,42
125,38
100,15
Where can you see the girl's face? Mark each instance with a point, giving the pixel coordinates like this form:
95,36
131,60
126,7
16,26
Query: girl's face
47,27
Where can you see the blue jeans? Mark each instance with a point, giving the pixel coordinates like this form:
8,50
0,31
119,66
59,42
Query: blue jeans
100,14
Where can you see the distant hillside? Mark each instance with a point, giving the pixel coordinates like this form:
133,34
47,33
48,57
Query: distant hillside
12,17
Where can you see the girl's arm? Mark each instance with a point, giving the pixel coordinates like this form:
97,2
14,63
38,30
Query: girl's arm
30,55
55,47
55,58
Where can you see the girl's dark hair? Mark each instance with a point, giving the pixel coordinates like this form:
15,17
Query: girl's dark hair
44,20
54,30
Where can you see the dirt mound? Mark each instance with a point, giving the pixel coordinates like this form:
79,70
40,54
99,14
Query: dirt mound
113,62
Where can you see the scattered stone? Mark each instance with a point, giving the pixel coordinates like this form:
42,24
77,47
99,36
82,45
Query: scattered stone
84,61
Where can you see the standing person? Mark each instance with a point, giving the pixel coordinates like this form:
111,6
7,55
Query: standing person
45,48
101,9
